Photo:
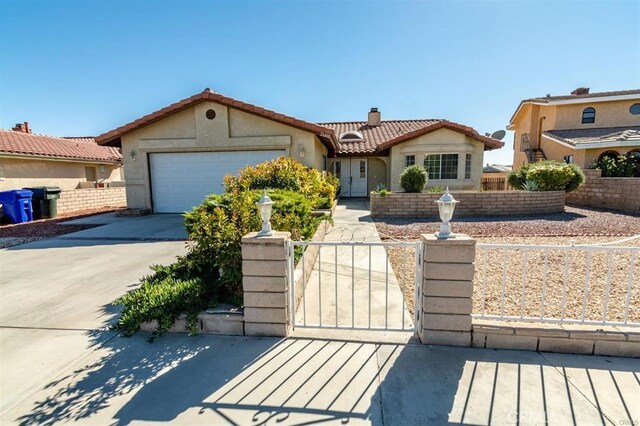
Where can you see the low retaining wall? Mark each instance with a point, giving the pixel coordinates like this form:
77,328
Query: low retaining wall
229,322
607,193
567,338
91,198
472,203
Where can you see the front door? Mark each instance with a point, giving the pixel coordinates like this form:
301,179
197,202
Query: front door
352,173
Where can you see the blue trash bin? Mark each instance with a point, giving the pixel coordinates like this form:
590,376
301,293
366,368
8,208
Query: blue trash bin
16,205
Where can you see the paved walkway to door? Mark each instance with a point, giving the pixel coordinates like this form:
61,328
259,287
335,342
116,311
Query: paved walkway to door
370,276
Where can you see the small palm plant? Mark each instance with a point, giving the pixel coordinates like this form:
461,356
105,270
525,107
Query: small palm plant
530,185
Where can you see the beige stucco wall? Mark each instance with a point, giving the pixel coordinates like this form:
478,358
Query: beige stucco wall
558,117
443,141
608,114
377,173
18,173
190,130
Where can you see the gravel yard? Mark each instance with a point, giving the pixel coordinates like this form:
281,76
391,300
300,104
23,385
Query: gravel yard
573,222
575,293
21,233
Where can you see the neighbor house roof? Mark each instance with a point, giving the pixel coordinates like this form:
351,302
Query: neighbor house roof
608,136
582,98
391,132
496,168
113,136
35,145
549,99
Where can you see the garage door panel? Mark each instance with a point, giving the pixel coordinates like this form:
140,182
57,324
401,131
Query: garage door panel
180,181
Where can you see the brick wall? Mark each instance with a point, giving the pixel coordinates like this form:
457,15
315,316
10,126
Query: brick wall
472,203
82,199
607,193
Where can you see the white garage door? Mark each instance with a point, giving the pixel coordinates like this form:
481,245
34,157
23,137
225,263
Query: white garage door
180,181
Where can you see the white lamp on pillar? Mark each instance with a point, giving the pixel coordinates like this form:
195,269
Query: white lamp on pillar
264,206
446,206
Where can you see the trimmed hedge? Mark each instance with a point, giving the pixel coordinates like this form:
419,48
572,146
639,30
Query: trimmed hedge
547,176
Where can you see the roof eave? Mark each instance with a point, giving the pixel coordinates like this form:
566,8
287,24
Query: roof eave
489,144
22,155
114,136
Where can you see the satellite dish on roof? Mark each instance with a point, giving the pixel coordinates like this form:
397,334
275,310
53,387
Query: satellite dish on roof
499,135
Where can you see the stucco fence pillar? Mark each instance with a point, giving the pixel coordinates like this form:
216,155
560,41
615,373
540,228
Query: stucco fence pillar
447,290
265,284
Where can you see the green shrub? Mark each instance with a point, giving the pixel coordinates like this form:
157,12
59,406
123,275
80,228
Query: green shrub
621,166
577,180
381,189
211,271
550,176
286,173
413,179
518,178
163,297
547,176
436,189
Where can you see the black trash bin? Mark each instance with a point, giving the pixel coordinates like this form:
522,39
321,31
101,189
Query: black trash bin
45,201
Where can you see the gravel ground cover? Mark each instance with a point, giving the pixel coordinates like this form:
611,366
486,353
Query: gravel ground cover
573,222
21,233
577,293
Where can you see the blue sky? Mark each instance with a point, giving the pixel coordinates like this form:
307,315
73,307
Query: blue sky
82,68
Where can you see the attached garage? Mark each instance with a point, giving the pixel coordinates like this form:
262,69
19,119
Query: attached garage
181,180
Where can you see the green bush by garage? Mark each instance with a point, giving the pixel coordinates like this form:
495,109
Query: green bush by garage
211,271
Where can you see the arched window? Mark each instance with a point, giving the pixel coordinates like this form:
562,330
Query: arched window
589,115
610,154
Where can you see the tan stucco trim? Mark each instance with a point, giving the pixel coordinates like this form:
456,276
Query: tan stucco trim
65,160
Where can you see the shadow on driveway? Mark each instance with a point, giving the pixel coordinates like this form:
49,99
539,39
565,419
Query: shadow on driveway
238,380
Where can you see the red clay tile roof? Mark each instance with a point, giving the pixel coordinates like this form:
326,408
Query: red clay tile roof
375,138
576,137
391,132
30,144
325,134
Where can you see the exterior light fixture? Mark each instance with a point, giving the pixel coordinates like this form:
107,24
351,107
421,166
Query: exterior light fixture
264,206
301,151
132,155
446,205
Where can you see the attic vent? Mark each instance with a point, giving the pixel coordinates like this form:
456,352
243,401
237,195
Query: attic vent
351,136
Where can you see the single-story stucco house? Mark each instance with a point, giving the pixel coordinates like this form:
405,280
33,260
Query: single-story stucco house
28,160
175,156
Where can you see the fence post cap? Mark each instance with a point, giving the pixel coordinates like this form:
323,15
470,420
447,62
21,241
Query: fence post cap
457,240
278,237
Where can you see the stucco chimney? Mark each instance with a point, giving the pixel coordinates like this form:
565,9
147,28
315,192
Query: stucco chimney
374,117
22,127
581,91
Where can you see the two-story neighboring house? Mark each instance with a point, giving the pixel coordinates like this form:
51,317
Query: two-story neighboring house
579,128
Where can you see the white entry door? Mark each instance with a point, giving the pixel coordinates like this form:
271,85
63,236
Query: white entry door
181,181
352,173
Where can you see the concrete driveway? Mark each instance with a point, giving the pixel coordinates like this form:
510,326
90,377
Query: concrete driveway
56,294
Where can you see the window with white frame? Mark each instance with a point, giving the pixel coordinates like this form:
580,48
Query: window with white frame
467,167
409,160
441,166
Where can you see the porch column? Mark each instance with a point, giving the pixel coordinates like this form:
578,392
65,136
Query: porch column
264,282
447,290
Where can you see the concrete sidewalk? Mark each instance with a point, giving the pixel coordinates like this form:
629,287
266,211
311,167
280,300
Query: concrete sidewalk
239,380
368,292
